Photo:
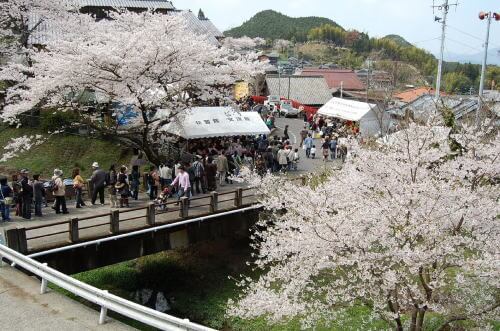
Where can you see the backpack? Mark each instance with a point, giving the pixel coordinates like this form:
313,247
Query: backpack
51,186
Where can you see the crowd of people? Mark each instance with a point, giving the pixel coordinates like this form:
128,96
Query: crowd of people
214,163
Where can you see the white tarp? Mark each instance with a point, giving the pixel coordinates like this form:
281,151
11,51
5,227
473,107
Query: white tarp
348,110
207,122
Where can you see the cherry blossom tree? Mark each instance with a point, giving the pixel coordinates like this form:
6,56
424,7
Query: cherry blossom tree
282,44
150,63
244,43
409,227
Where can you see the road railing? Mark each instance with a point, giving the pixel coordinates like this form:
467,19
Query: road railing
102,298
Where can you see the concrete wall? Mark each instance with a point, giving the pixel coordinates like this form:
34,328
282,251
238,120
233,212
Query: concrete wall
108,253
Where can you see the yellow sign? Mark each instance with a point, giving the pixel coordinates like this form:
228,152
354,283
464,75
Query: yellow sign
241,90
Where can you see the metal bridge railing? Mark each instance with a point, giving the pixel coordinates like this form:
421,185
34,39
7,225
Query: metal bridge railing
105,300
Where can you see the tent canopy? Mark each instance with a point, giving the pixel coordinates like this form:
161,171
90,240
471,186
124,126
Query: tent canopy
348,110
208,122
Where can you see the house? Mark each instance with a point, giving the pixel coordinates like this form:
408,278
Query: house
100,9
425,106
271,57
337,78
415,93
307,90
377,79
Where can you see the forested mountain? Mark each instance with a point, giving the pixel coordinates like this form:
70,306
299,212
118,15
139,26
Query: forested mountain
270,24
398,40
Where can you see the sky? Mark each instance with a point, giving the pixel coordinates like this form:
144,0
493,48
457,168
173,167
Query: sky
412,19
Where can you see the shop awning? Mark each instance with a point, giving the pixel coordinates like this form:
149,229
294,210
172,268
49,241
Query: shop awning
348,110
208,122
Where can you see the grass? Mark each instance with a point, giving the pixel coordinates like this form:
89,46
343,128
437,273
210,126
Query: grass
200,281
62,151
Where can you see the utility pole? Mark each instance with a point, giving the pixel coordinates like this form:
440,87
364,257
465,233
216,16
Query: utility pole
445,7
482,16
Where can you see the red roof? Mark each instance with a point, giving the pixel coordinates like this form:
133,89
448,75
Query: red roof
413,94
337,77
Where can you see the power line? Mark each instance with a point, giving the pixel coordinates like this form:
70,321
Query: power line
471,35
465,45
427,40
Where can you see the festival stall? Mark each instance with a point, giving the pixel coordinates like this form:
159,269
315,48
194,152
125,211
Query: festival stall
366,115
210,122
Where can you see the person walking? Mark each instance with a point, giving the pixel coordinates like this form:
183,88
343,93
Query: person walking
111,180
26,194
134,180
6,195
303,135
199,173
285,133
78,184
183,183
59,192
38,194
122,187
211,174
222,168
308,142
98,180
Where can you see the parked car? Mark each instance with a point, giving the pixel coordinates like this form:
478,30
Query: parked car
287,110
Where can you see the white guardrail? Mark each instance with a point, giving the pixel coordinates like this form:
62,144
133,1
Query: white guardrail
102,298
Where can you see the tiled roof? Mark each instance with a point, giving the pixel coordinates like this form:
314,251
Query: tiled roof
413,94
195,25
308,90
337,77
214,31
150,4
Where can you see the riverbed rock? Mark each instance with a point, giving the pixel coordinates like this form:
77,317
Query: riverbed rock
162,303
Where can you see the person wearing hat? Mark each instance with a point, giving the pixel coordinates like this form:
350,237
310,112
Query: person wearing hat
59,192
98,181
26,194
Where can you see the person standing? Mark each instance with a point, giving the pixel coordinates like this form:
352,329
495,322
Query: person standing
153,183
122,187
38,194
211,174
111,180
325,149
78,183
165,176
135,182
6,194
308,142
222,168
283,159
199,173
98,181
26,194
333,148
59,191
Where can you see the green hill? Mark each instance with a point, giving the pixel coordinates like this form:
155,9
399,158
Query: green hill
398,40
270,24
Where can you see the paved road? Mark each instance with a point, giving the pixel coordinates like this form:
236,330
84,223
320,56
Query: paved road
22,307
305,166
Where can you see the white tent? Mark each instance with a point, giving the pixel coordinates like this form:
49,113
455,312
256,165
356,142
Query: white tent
207,122
355,111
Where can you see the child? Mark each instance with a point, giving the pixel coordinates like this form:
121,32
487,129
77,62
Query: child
313,152
38,194
162,199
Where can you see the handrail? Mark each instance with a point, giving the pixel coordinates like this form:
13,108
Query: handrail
102,298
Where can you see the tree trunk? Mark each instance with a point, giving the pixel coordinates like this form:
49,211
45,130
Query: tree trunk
413,324
420,320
